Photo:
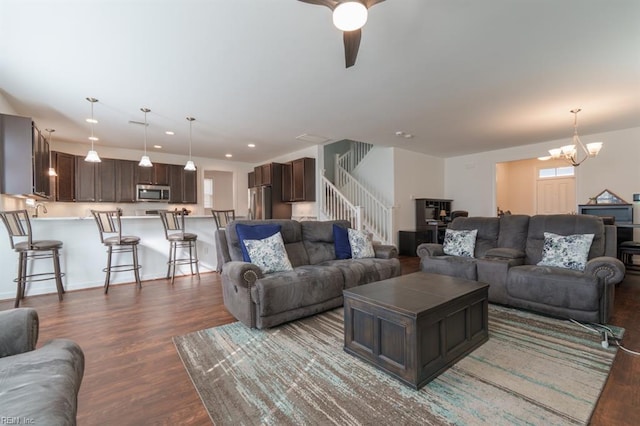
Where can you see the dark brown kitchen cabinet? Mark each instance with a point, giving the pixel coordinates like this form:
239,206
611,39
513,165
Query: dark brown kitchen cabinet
85,180
126,181
267,174
299,180
65,165
24,157
106,180
183,184
251,179
156,175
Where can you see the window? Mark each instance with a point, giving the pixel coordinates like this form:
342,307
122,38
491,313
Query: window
208,193
552,172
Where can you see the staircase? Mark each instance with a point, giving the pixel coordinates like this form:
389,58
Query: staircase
352,200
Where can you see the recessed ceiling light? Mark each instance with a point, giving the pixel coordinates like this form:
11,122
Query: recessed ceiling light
169,132
157,146
228,155
91,120
402,134
252,145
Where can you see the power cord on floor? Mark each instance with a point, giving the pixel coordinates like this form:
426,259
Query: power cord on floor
608,336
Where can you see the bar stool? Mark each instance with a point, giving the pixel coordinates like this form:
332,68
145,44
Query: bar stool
109,224
19,227
173,222
223,217
626,251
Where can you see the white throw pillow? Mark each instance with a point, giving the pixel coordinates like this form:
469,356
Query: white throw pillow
361,244
569,252
269,254
460,243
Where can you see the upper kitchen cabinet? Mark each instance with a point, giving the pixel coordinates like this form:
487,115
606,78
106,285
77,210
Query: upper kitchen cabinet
263,175
126,181
65,165
85,180
183,184
95,181
299,180
24,157
106,180
251,179
156,175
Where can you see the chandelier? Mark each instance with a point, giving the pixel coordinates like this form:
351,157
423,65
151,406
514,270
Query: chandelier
576,153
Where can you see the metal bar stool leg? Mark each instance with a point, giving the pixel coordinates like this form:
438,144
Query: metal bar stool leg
108,270
170,258
56,269
195,249
174,246
20,279
191,256
136,268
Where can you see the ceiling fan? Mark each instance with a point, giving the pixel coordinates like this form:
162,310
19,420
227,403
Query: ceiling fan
349,16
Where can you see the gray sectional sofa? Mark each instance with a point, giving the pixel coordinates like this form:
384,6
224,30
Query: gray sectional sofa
37,386
506,256
314,285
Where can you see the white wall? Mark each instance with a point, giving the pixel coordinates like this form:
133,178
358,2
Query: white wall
414,176
470,180
376,173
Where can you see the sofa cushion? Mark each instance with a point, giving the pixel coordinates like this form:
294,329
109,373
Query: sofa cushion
569,251
254,232
555,286
364,271
455,266
269,254
488,230
513,231
317,238
361,244
341,242
563,224
460,243
304,286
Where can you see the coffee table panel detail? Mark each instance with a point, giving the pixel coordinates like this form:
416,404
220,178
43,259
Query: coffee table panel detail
415,345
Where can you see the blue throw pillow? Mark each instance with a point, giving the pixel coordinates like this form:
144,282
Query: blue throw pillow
254,232
341,242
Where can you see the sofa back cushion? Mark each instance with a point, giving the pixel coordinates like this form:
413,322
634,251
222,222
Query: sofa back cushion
563,224
488,229
317,237
290,230
513,231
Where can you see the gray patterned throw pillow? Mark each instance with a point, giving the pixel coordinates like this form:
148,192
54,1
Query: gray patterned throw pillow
269,254
361,244
569,252
460,243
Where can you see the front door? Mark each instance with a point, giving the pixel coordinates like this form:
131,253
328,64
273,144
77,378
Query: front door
556,195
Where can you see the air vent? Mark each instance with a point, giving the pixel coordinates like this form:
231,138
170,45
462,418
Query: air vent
312,138
137,123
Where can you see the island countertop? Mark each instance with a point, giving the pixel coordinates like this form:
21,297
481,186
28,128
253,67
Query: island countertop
83,256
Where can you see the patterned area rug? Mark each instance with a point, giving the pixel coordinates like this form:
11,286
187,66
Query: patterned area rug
533,370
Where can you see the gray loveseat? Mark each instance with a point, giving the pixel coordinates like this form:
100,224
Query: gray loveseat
37,386
315,284
507,251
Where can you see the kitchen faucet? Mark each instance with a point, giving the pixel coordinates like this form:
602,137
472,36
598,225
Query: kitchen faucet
44,209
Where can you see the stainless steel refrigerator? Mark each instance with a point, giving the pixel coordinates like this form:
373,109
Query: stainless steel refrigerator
264,203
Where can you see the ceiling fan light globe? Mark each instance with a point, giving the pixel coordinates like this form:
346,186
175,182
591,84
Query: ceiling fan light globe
350,16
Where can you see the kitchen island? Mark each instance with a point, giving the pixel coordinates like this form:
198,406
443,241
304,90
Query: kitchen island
83,257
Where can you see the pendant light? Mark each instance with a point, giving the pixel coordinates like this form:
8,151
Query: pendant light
92,155
145,161
52,171
190,166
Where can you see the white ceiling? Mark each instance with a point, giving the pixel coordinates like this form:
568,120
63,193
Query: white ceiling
463,76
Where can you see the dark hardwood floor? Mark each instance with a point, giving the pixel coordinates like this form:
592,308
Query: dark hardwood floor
133,375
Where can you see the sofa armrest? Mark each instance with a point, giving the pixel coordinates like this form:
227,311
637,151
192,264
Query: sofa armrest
430,250
242,274
610,269
504,253
385,251
18,331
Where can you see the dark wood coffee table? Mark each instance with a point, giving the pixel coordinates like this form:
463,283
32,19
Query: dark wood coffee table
415,326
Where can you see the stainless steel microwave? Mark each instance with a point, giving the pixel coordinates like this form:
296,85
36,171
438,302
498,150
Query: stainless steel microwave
158,193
